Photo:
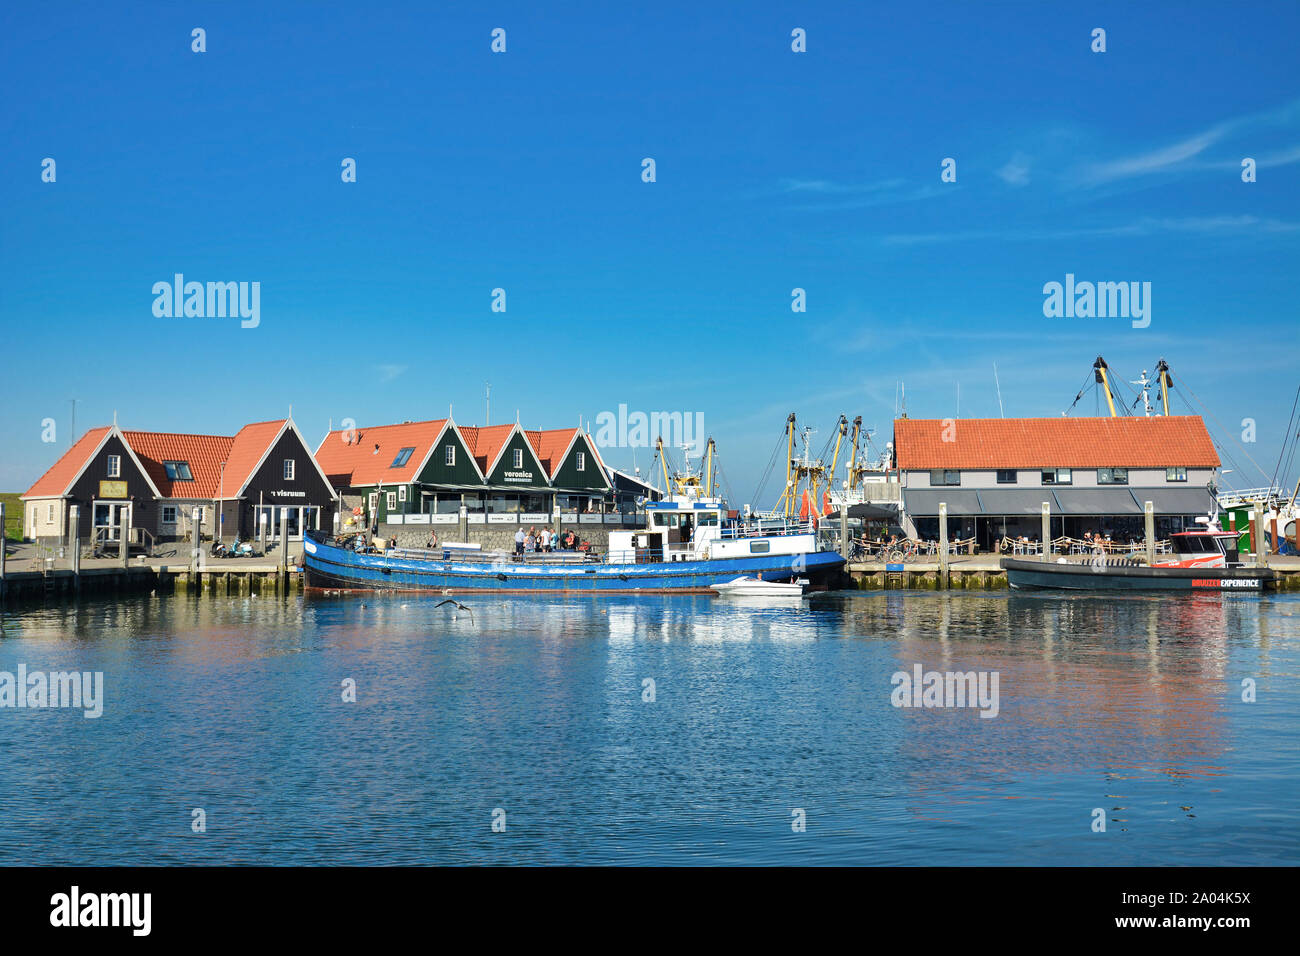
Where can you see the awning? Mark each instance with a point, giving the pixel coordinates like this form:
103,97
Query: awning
1175,501
1114,500
1015,501
925,501
873,512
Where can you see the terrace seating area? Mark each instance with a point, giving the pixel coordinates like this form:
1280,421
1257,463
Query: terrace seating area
1068,545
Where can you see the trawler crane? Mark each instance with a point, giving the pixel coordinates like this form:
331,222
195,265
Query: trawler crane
688,482
1100,368
803,470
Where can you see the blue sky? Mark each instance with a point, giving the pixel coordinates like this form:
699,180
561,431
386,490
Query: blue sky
522,170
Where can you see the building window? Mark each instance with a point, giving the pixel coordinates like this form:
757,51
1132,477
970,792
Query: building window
1057,476
168,514
401,493
114,466
944,476
1006,476
391,497
402,458
449,457
49,513
582,461
288,469
374,501
178,470
518,458
1112,476
1175,474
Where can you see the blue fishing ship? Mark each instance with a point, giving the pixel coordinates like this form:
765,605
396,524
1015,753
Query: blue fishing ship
686,546
690,542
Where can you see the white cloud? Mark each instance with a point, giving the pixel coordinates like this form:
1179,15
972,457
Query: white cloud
1204,225
1179,155
1016,171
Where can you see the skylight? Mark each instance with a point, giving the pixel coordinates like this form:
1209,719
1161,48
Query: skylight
178,470
402,457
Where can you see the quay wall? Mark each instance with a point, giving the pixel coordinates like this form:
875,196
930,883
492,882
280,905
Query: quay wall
219,581
973,577
63,585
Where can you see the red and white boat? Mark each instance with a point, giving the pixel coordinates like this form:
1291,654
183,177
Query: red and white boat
1201,549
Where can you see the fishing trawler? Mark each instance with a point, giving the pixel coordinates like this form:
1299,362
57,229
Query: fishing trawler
689,544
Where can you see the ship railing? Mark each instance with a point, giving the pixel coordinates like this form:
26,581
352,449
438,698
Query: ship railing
769,527
467,556
1249,496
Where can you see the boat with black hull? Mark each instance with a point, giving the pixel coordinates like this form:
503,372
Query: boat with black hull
1201,561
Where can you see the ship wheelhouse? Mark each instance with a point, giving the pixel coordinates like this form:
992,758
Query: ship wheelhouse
1202,549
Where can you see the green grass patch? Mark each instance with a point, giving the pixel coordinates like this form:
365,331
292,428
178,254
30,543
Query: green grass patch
13,515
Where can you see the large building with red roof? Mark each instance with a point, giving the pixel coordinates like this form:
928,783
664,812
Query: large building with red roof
159,481
423,472
1095,474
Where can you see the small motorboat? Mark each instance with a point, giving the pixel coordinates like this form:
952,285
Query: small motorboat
1201,561
757,587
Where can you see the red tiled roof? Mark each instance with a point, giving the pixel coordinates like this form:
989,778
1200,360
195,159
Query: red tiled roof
485,443
247,448
55,481
358,463
991,443
203,453
550,446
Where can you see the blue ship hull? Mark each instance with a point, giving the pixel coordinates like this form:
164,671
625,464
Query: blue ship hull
328,567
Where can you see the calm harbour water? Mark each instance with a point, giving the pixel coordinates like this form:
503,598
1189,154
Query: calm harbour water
1128,703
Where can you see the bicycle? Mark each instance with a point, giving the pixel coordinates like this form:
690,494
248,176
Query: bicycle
905,551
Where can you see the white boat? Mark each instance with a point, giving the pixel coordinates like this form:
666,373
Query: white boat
757,587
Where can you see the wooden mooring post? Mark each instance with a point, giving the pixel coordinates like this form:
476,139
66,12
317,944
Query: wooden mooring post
943,544
282,578
1047,531
844,523
1149,512
74,542
4,547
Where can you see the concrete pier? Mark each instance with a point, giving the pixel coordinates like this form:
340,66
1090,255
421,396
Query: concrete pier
981,572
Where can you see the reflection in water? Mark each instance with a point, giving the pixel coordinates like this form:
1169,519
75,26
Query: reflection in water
539,706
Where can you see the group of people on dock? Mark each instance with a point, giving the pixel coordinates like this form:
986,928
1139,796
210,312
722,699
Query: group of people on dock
533,541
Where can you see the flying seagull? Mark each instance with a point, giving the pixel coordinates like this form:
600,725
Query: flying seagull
459,606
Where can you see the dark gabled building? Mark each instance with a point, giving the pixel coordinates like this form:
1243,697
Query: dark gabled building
423,472
159,479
